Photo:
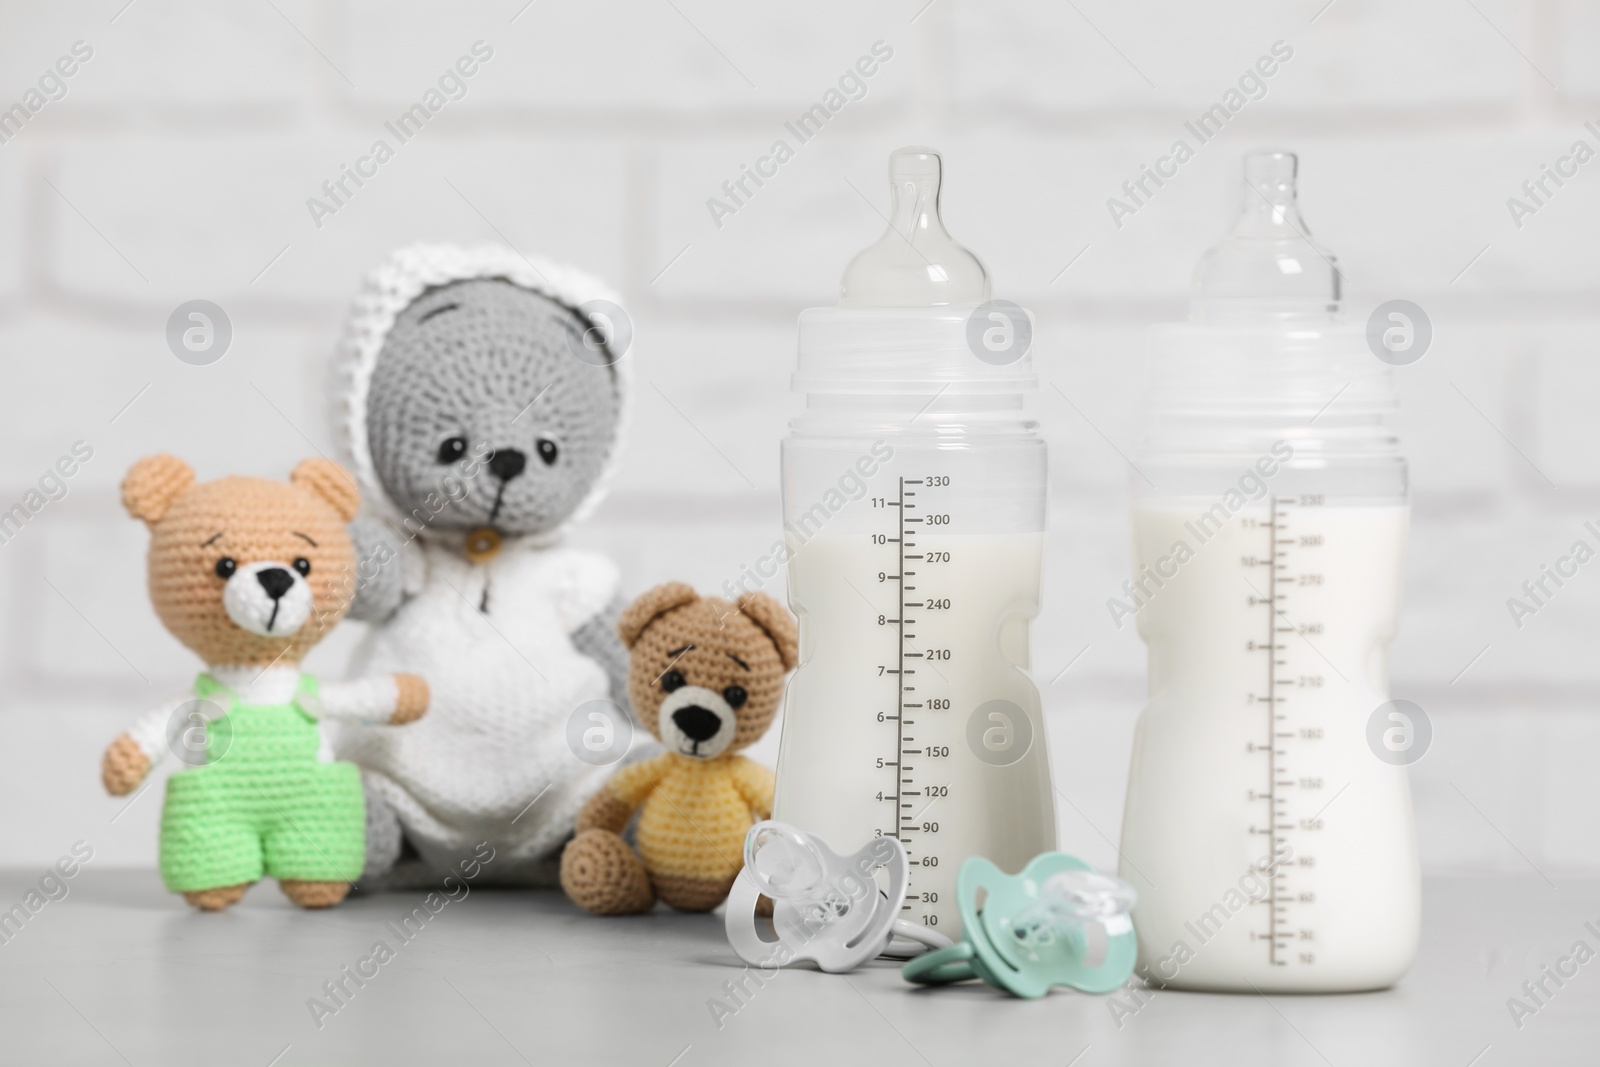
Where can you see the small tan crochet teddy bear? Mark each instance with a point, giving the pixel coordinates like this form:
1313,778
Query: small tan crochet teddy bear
250,574
706,677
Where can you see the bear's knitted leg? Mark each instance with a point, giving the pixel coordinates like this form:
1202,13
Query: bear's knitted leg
384,836
313,894
692,894
217,899
603,876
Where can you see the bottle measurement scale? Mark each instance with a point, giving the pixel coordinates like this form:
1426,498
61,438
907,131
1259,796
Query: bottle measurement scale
1288,695
910,798
1256,825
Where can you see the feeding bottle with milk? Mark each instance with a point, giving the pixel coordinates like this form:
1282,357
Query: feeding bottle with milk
1271,848
914,508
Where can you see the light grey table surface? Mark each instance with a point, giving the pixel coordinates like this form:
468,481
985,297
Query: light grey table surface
120,972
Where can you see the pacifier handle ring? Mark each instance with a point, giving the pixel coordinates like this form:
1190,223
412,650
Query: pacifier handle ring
924,935
952,963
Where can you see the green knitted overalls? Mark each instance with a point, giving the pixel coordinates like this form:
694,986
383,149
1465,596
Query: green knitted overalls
262,804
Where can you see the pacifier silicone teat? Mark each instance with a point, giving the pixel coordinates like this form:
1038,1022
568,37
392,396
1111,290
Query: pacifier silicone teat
827,908
1059,922
916,263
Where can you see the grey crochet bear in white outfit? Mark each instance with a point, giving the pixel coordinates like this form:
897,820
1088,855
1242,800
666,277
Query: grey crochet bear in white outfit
482,416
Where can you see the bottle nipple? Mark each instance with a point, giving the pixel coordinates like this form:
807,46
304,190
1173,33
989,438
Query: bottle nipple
916,263
1268,266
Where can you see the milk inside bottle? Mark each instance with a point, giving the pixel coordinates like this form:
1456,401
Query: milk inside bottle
1272,849
914,507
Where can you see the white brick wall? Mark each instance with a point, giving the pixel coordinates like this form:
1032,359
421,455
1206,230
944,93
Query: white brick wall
183,153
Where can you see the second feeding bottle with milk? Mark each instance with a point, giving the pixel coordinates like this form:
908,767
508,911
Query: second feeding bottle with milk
1271,843
914,507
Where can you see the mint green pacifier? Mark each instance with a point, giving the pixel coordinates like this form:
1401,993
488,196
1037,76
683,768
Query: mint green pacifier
1059,922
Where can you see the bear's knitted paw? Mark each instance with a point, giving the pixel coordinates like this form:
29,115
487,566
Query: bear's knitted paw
124,767
411,699
313,894
217,899
378,594
603,876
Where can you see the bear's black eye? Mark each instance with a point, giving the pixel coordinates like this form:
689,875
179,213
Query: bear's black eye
671,680
735,696
302,565
548,451
226,566
452,449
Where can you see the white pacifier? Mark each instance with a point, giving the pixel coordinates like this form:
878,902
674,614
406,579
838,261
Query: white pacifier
827,908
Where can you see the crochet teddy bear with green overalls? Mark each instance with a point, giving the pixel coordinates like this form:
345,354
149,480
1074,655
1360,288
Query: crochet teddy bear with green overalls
251,574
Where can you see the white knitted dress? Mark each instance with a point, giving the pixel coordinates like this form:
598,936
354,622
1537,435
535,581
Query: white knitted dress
490,760
503,684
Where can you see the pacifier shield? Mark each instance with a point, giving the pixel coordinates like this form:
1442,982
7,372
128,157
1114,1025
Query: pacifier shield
1023,930
1058,922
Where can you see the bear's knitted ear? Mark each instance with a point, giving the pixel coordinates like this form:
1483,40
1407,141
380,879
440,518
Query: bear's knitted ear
645,610
331,482
152,484
775,619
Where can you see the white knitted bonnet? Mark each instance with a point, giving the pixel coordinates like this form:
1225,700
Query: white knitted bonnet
394,284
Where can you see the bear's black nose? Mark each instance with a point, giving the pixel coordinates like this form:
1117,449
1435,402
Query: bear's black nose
508,463
275,580
697,723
